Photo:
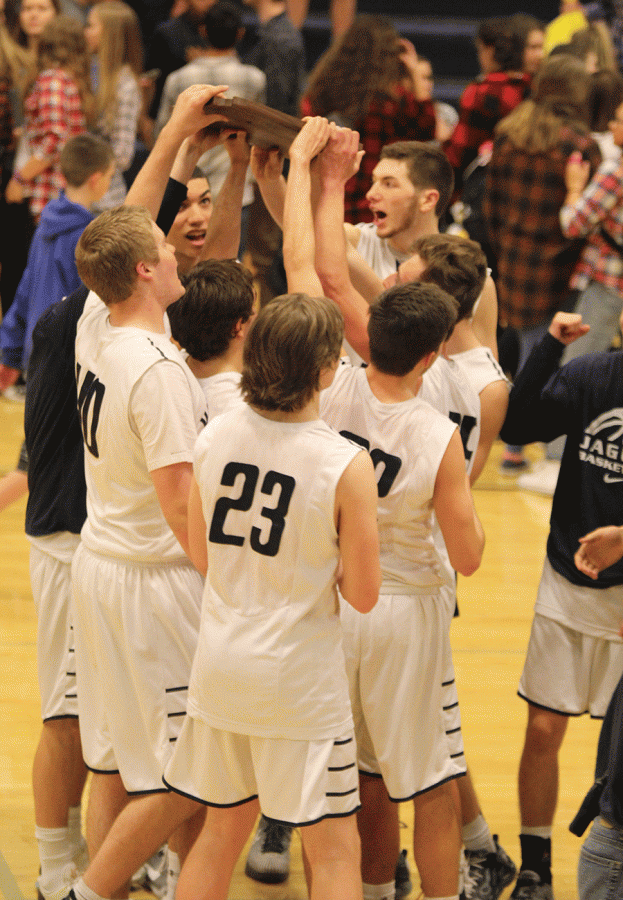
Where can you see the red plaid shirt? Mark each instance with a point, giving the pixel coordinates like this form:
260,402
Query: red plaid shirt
524,195
388,119
52,114
483,104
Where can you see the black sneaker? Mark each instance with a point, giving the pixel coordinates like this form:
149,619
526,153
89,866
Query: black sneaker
403,876
530,887
269,857
487,873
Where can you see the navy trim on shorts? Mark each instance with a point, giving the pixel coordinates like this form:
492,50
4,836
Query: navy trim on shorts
169,787
341,768
341,743
566,715
343,815
172,690
340,793
430,788
102,771
147,793
64,716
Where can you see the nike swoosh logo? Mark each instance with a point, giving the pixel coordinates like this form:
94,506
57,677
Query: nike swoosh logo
611,479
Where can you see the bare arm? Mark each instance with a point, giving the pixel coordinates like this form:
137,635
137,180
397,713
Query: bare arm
172,484
298,223
364,279
13,486
337,162
493,406
454,507
188,118
197,530
485,321
356,501
267,168
223,235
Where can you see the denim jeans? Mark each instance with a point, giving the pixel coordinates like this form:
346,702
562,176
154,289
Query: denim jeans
600,869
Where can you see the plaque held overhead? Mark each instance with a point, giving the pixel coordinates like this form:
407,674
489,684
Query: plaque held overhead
265,127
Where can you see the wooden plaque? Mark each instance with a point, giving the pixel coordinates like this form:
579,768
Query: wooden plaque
266,127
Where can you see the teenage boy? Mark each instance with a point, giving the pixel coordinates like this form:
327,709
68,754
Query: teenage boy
141,410
210,322
575,652
50,274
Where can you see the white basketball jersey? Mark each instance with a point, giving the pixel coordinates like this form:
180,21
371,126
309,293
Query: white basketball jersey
377,253
270,661
222,392
124,439
407,442
480,368
447,389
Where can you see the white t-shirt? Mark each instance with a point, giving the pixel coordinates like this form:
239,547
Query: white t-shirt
141,409
270,661
407,442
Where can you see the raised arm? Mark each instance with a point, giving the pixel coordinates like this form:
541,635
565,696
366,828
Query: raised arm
530,416
187,119
298,223
267,168
336,164
223,235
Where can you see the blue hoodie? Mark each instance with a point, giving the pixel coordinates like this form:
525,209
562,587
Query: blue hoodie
50,275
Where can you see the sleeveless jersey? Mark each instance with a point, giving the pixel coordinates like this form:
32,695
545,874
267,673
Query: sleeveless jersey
270,661
222,392
480,367
377,253
406,441
124,518
447,389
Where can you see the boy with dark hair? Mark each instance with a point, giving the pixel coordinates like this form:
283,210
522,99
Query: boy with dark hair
50,274
210,322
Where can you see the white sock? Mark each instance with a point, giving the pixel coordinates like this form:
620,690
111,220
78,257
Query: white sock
74,823
76,839
379,891
173,874
83,892
477,836
55,851
542,831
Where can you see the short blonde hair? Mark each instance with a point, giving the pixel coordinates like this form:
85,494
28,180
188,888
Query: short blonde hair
110,248
293,338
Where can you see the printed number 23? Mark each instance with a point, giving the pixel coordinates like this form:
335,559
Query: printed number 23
276,515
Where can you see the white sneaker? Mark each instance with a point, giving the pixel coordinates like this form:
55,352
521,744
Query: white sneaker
542,479
57,888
